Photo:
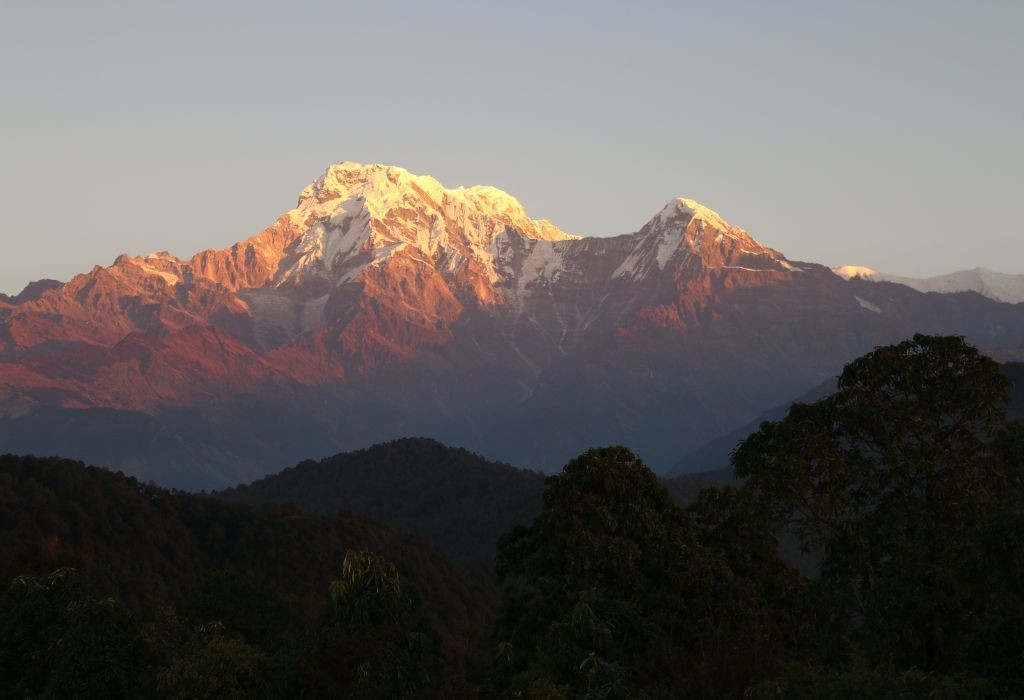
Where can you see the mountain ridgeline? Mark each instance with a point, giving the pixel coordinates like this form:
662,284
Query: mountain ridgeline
714,456
385,305
458,500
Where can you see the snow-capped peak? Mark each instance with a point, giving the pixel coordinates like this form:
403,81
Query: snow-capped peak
851,271
684,207
685,229
374,182
355,214
382,187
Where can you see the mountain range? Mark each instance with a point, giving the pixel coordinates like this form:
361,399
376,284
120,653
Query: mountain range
994,285
386,305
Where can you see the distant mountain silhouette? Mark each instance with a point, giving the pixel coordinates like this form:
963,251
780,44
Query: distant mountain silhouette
713,457
456,499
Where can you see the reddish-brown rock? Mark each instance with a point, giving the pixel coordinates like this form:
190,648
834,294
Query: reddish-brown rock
386,305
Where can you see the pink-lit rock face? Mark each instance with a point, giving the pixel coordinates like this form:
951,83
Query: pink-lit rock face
385,305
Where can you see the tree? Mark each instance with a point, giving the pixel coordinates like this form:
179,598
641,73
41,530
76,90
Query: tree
232,600
58,638
215,665
374,642
608,593
898,479
857,679
742,531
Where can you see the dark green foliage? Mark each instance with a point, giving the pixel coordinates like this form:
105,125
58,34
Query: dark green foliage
394,653
60,639
743,533
857,680
458,500
210,561
368,595
908,481
232,602
609,593
215,665
372,642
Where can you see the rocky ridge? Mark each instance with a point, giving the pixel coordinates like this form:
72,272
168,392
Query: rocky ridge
386,305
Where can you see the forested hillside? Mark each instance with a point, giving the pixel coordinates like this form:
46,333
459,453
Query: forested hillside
906,483
155,549
455,498
458,500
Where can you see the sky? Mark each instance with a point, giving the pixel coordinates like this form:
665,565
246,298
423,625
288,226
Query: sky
886,134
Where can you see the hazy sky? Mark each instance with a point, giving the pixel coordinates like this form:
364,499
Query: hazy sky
885,134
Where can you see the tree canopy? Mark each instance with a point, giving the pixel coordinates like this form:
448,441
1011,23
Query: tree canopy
609,593
907,481
904,491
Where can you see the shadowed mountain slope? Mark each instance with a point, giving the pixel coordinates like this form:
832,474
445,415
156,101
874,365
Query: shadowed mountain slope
386,305
713,457
458,500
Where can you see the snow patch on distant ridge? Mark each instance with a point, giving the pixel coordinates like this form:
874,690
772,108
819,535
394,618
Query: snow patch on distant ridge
851,271
865,304
998,286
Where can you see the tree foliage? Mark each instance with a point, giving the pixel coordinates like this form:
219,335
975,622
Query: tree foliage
372,642
857,679
609,593
215,665
154,549
59,638
907,480
397,653
175,562
904,490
